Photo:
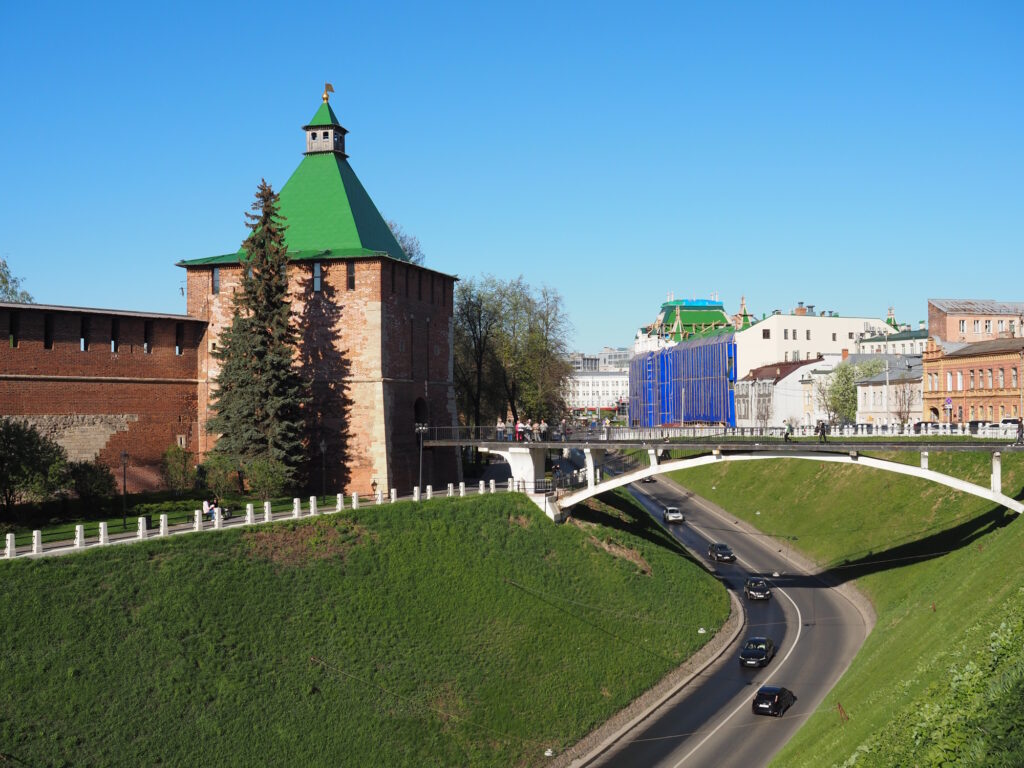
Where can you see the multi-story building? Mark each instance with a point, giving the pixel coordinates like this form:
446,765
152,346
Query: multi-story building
613,359
966,321
893,396
772,395
597,390
581,361
980,381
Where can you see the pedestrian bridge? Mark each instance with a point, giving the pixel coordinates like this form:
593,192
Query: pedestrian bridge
614,458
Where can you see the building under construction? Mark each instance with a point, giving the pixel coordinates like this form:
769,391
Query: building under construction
684,366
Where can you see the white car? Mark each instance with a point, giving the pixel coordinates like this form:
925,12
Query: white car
672,515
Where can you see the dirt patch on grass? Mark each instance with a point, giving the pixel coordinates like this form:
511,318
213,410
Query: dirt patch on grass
617,550
521,520
293,546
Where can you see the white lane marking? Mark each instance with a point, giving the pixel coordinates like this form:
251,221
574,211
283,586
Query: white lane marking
775,667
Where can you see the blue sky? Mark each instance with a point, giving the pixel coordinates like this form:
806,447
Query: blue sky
849,155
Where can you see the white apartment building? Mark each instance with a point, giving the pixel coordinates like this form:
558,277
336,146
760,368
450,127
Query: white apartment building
773,395
597,389
801,335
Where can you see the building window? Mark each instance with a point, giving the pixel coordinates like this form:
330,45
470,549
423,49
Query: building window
833,337
785,357
850,335
350,275
977,326
972,413
785,333
1000,326
115,335
988,378
215,281
312,135
1013,327
147,337
1013,378
317,277
970,379
1001,378
179,338
959,381
988,326
766,333
13,327
949,381
48,332
963,326
808,335
83,336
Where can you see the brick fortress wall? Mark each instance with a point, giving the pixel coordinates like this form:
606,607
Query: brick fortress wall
97,402
374,342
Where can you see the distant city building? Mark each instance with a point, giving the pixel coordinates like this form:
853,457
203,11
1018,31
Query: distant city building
580,361
971,320
893,396
967,382
597,390
772,395
613,359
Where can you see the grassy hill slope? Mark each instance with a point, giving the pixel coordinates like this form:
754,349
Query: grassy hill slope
941,678
456,632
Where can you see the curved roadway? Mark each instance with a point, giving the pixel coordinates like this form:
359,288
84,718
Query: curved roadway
817,631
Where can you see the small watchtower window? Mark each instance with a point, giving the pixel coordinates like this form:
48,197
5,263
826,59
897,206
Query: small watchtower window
350,271
317,277
179,338
115,335
147,337
215,281
83,336
13,328
313,135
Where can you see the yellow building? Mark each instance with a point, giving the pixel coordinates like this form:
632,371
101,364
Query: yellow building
974,382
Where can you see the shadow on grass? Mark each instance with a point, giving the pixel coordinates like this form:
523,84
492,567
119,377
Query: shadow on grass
631,519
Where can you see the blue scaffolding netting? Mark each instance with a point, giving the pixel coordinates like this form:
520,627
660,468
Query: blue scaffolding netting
691,382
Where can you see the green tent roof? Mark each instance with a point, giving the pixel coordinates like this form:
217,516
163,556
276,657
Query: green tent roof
327,213
324,116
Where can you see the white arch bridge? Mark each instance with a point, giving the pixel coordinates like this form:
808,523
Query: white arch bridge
613,460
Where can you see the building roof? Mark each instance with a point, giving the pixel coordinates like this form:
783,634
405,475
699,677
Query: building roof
777,371
324,116
990,347
921,333
908,369
95,311
327,212
977,307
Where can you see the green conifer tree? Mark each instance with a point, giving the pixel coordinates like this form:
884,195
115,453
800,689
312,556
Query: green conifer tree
259,394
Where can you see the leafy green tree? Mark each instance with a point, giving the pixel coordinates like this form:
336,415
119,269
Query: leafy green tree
10,286
259,393
221,474
267,478
476,324
32,467
92,481
837,392
178,469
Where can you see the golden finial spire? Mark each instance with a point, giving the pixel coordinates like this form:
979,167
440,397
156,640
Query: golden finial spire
328,89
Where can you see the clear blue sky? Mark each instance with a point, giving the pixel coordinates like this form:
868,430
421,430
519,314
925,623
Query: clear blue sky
851,155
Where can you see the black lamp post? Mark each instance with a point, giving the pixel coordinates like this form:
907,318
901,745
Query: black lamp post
323,468
421,429
124,490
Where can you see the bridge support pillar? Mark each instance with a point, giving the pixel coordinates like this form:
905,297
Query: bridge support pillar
924,459
526,464
593,457
653,454
997,472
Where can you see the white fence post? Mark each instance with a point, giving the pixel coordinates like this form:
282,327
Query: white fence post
492,486
451,490
462,490
164,527
511,485
312,506
416,493
355,500
37,542
482,487
250,514
394,495
143,530
268,516
11,548
379,496
198,524
430,492
79,536
104,535
218,519
340,505
296,507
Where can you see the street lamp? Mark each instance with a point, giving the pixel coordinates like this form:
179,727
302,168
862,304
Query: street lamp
124,490
323,468
421,429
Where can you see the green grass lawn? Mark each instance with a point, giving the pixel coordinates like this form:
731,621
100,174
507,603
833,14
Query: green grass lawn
455,632
940,680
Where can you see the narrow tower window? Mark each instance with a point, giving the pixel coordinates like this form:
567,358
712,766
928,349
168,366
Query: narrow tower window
179,338
83,337
13,328
215,281
317,277
350,271
115,334
48,332
147,337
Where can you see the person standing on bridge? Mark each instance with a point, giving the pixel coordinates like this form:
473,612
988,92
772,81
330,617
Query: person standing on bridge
519,430
499,430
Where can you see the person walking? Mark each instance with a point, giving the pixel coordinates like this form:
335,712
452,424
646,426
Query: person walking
789,433
821,431
564,427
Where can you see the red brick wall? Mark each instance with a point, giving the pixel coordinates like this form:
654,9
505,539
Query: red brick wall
98,403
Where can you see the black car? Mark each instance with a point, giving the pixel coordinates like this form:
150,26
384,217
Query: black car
648,479
757,588
721,552
757,652
772,700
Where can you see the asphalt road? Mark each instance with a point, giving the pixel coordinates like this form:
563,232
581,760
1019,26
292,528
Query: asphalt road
817,631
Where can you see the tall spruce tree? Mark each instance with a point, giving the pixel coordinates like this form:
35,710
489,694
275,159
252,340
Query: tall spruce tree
259,394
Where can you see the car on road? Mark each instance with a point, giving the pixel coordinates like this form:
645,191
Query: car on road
757,652
772,700
648,479
756,588
720,552
672,515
